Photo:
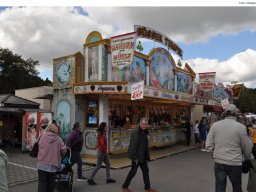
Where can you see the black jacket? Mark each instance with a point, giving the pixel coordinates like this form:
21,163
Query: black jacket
138,147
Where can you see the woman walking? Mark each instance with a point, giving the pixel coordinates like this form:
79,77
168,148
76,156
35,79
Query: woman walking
102,155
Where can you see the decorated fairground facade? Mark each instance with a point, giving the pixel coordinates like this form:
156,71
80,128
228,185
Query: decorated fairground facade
99,85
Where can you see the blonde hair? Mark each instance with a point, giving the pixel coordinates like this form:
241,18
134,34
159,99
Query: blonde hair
52,128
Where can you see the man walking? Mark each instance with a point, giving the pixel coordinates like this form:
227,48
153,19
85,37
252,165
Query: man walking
138,152
228,141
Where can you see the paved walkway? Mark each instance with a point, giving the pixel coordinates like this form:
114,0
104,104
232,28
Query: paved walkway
22,167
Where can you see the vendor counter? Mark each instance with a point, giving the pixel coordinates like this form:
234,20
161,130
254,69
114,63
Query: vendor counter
119,139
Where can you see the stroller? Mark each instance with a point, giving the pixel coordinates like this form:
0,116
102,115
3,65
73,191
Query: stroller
64,177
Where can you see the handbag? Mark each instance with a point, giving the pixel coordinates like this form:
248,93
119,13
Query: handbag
35,148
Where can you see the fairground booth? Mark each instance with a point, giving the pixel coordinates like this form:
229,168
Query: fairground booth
113,81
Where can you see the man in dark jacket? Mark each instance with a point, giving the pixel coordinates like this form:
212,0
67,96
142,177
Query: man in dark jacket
138,152
75,143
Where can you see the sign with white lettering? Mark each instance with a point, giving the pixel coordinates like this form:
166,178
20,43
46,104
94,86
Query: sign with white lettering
104,88
137,90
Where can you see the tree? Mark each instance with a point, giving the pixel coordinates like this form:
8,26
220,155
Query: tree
247,101
18,73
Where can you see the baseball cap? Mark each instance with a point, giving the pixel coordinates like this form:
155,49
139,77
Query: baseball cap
231,108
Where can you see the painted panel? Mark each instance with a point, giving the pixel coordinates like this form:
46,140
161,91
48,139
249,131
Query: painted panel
62,73
63,119
30,130
138,70
121,74
44,119
184,83
161,72
93,63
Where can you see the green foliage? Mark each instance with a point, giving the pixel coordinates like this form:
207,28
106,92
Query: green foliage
247,101
179,63
140,47
18,73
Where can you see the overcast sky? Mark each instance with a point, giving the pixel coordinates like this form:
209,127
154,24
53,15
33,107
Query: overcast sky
220,39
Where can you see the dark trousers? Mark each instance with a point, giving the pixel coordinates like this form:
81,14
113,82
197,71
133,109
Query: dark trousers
76,158
188,138
234,174
45,181
133,171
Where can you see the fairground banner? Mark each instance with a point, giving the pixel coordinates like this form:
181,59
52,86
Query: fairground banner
207,80
122,50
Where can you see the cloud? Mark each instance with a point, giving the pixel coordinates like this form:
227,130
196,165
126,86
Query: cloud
182,24
240,67
44,33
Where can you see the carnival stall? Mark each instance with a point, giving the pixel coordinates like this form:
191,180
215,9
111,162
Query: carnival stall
101,89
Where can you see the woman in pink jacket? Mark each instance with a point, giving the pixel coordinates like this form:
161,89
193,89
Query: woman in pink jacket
51,147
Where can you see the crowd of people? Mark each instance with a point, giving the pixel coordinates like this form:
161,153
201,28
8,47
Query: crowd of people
228,141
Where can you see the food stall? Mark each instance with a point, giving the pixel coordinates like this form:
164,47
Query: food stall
99,89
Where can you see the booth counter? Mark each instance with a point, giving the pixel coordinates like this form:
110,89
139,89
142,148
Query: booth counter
119,138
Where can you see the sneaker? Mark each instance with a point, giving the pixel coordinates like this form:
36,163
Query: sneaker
150,190
81,178
110,181
125,189
203,150
91,182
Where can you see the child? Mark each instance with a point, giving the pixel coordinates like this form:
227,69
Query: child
102,155
250,166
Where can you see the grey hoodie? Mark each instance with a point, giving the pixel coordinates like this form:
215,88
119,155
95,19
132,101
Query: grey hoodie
228,141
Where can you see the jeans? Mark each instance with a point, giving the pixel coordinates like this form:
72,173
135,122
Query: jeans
101,157
45,181
133,171
234,174
76,158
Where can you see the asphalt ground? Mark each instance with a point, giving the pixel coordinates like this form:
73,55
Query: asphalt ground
190,171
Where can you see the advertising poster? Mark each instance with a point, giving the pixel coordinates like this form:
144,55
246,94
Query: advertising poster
44,119
30,130
122,51
137,90
207,80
